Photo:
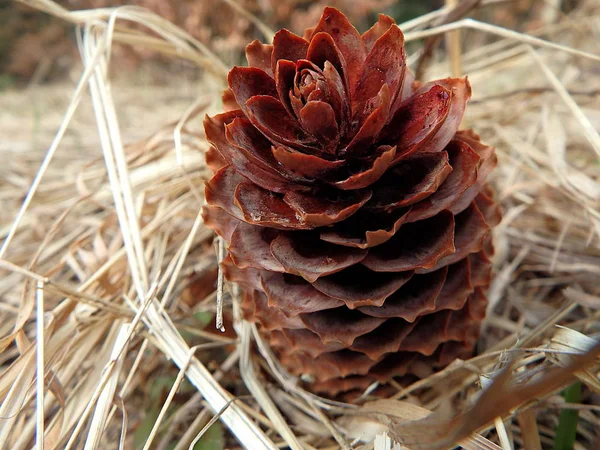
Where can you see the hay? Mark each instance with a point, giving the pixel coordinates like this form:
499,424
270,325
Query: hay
102,235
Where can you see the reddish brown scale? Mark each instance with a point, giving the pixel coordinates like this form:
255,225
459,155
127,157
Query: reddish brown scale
357,217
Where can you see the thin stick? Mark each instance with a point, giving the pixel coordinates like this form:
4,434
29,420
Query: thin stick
121,195
59,288
529,430
430,17
40,372
122,171
502,434
454,13
220,282
453,44
499,31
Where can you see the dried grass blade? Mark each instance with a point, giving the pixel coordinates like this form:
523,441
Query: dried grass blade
174,36
394,412
437,431
246,431
267,32
14,401
106,398
167,402
113,365
588,128
529,430
499,31
173,271
258,391
51,150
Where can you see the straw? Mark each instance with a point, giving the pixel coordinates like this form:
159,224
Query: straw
103,239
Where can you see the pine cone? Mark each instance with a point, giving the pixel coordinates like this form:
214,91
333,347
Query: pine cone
356,216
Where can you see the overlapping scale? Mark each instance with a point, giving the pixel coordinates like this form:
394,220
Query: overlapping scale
356,216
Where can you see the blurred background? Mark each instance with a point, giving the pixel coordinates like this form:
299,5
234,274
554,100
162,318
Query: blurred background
37,48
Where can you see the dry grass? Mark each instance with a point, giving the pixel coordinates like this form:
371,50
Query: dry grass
102,234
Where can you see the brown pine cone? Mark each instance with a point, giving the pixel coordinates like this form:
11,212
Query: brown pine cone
356,216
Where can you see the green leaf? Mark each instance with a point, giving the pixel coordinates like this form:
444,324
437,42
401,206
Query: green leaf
213,439
204,318
6,81
145,428
160,385
566,431
201,320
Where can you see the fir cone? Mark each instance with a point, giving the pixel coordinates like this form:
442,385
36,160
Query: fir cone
357,218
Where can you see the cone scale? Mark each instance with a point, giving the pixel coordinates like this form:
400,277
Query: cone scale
356,215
